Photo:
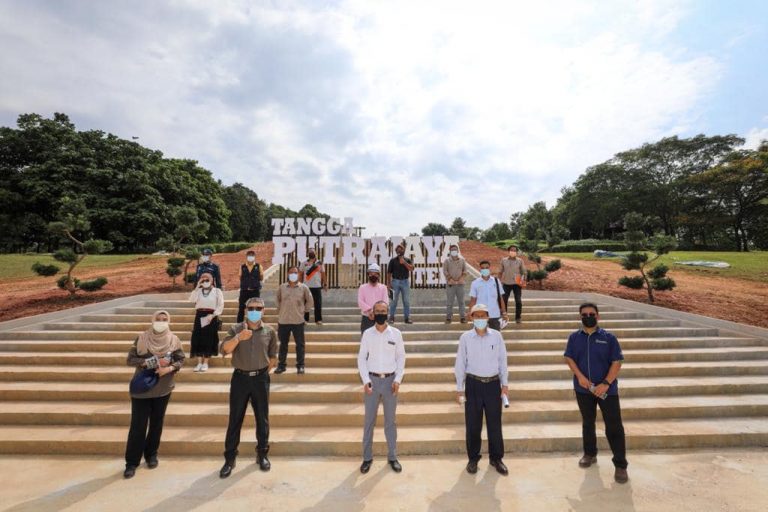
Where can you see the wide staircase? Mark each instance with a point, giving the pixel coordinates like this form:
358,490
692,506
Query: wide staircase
64,385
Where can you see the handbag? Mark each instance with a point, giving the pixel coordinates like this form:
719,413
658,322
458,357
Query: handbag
143,381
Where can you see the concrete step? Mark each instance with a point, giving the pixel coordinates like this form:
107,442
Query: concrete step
412,440
186,414
411,347
438,302
523,333
212,387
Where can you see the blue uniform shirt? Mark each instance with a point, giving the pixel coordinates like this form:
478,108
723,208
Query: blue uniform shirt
594,354
211,268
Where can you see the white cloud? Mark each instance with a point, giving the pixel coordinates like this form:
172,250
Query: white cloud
396,113
755,136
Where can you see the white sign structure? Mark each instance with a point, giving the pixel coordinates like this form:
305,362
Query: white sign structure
296,235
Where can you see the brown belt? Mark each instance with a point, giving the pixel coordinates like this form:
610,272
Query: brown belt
484,380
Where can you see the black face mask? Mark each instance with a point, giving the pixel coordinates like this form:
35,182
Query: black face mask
373,279
380,318
589,321
311,255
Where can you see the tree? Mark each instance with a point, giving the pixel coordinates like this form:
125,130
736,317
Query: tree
499,231
248,218
638,259
458,228
174,268
74,222
538,223
188,228
434,229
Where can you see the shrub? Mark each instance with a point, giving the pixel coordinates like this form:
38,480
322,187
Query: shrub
634,282
190,277
176,262
658,271
553,266
93,285
62,282
537,275
45,270
663,283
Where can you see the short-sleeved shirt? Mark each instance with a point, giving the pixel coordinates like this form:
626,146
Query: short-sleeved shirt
315,281
511,268
487,292
255,353
292,303
594,354
397,269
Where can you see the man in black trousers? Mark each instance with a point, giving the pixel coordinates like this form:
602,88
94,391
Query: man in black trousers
250,283
253,346
594,356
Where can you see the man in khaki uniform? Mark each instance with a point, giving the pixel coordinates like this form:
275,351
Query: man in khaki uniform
513,277
293,300
455,272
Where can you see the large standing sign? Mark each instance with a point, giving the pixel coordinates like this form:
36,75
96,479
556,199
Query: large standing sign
346,255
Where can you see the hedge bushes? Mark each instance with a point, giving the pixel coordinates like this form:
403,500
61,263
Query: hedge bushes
223,247
588,245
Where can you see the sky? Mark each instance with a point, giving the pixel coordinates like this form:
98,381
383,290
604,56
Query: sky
395,113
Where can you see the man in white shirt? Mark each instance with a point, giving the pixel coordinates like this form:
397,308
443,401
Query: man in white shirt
481,383
487,290
381,362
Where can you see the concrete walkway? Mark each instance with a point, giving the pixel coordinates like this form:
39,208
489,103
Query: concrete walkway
724,480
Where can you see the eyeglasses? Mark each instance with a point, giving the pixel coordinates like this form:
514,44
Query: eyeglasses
588,315
257,308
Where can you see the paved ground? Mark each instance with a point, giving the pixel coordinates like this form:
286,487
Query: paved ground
731,481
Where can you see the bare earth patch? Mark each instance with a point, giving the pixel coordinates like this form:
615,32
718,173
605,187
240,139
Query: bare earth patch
733,299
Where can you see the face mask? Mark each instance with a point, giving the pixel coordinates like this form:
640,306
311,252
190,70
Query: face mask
513,254
373,279
380,318
311,255
293,277
206,284
159,326
254,316
485,272
206,259
400,253
589,321
480,323
250,259
454,253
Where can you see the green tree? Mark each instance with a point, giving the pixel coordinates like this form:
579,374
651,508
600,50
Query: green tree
434,229
498,231
248,218
638,259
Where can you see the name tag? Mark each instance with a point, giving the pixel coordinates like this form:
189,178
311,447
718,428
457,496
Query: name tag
602,342
391,342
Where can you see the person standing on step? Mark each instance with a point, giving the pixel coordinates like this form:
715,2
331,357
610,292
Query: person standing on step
381,363
455,272
253,346
313,275
293,300
369,294
160,350
594,356
206,265
481,383
250,282
399,270
513,277
487,290
209,305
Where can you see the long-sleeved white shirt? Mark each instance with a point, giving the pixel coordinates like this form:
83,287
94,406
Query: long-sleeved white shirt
381,352
214,300
483,356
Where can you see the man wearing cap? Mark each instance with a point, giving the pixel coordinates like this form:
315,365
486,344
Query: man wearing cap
487,290
381,363
253,346
455,271
369,294
481,383
206,265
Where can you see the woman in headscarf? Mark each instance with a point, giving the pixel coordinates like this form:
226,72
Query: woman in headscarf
160,350
209,305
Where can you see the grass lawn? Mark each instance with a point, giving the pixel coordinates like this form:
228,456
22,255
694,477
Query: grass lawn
13,266
746,265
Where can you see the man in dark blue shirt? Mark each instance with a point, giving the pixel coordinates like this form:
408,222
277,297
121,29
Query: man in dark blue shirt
206,265
250,283
594,356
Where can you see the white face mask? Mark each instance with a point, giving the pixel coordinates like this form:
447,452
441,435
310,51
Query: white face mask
454,253
159,326
293,277
251,259
207,284
206,259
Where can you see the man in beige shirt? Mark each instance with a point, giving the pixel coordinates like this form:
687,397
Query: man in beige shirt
513,277
293,300
455,272
253,346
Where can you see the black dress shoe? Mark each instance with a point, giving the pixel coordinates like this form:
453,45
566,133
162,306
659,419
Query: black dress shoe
396,467
365,466
280,369
408,321
152,462
226,469
500,467
263,462
300,370
587,460
129,471
472,467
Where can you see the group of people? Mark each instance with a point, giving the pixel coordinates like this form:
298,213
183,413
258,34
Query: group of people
592,353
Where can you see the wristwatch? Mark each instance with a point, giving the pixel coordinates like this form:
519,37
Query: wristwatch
606,382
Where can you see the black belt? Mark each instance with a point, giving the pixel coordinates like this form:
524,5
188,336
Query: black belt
381,375
483,379
251,373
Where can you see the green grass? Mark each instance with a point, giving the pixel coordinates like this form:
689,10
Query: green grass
14,266
745,265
